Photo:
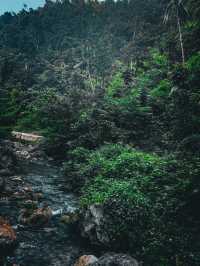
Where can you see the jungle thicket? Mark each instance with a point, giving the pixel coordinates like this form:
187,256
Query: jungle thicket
114,86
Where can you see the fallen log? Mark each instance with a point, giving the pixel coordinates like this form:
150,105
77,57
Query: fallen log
26,136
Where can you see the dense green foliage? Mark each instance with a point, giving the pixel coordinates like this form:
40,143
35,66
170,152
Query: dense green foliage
149,204
116,93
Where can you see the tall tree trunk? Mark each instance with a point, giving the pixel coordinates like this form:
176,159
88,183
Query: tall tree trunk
181,39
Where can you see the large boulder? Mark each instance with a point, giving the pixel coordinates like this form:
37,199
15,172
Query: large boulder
92,225
109,259
70,218
29,152
113,259
8,238
86,260
38,217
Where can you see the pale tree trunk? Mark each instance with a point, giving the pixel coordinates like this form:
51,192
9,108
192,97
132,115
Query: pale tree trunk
181,39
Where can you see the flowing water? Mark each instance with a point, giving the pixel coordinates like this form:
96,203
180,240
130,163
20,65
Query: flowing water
56,243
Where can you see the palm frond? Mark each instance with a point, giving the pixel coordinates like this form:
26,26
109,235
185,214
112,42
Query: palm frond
168,11
175,6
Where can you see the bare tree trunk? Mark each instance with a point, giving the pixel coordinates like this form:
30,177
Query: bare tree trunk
181,39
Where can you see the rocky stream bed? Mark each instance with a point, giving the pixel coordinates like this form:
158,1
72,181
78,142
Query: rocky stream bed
39,219
39,184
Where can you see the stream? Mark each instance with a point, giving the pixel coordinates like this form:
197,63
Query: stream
56,243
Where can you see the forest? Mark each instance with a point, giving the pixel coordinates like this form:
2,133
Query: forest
113,88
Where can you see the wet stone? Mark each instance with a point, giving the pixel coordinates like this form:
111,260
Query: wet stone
43,239
35,217
8,239
86,260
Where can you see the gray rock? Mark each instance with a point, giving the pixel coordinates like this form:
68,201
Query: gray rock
91,225
86,260
71,218
113,259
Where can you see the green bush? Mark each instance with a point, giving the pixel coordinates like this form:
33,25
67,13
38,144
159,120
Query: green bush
144,198
162,90
122,162
100,190
114,162
193,63
116,85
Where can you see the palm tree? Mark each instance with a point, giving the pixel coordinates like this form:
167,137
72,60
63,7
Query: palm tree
176,8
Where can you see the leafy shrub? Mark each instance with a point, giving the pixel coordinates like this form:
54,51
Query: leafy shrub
162,90
115,85
142,196
115,162
101,190
193,63
125,163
